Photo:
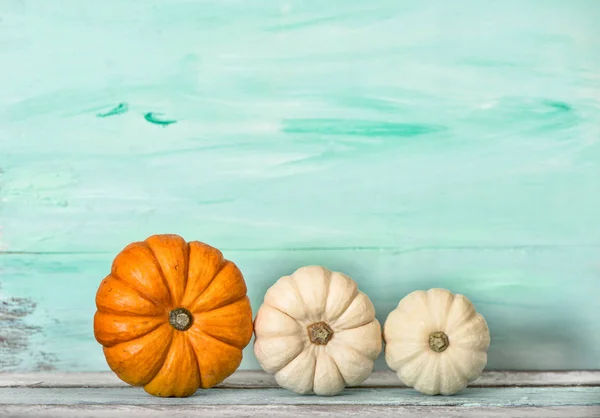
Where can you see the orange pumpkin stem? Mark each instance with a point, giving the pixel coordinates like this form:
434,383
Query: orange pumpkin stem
181,319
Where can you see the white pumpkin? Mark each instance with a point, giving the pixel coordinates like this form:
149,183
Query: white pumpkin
436,342
316,332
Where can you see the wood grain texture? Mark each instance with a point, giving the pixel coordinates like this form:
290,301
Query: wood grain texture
288,411
489,397
242,379
408,144
251,393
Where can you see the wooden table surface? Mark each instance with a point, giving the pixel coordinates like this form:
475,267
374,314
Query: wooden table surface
249,393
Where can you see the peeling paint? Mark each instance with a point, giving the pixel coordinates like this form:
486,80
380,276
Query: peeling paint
16,335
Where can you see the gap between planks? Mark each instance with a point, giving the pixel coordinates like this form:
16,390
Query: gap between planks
257,379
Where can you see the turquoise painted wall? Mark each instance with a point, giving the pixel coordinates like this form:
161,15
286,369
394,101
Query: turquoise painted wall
410,144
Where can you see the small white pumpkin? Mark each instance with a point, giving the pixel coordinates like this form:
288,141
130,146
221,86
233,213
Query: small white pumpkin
436,342
316,332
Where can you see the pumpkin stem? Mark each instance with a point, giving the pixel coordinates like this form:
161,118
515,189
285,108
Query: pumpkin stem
319,333
181,319
438,341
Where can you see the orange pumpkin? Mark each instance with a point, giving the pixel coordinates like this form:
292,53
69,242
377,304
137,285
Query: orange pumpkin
172,316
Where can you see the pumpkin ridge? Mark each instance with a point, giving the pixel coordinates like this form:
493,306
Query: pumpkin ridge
219,307
201,331
140,294
219,339
409,359
451,355
456,328
450,365
427,305
349,347
289,316
364,321
225,368
336,367
122,367
296,356
188,340
327,275
462,345
158,325
362,324
195,300
429,368
350,300
186,273
296,289
447,313
162,359
160,272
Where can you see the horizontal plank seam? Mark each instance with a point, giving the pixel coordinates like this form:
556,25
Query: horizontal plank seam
252,387
315,404
261,380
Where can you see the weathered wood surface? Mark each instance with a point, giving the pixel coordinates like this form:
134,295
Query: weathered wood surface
289,411
570,401
260,379
499,397
250,393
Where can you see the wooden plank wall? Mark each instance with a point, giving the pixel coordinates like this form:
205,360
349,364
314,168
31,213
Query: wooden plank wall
408,144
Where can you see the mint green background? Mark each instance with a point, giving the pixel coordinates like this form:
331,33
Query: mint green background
409,144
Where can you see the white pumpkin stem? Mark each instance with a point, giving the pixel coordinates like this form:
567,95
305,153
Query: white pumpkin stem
438,341
319,333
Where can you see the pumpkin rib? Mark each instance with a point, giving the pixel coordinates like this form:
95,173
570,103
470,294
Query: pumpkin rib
429,368
453,370
446,314
224,369
327,277
200,251
403,360
460,324
250,330
222,289
294,286
345,361
176,377
221,267
336,367
348,301
186,273
412,358
160,270
188,339
163,358
169,250
310,348
305,281
217,339
289,316
140,294
349,347
116,364
360,296
156,326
